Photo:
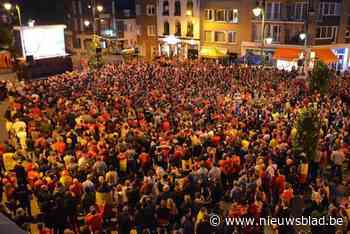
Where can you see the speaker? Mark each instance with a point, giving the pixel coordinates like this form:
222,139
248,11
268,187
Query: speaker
29,59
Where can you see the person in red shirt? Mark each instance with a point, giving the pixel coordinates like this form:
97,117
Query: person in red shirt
94,221
145,161
76,188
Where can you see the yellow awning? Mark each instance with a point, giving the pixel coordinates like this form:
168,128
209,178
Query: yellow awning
212,52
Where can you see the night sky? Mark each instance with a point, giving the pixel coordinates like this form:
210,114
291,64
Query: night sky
49,11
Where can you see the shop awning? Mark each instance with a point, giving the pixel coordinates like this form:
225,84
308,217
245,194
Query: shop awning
325,55
209,52
287,54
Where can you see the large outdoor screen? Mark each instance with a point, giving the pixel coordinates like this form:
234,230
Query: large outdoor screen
43,41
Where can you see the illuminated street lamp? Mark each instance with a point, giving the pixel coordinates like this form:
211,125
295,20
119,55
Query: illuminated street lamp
269,40
31,23
258,11
99,8
8,7
86,23
302,36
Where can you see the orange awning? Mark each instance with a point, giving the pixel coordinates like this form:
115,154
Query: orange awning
325,55
288,54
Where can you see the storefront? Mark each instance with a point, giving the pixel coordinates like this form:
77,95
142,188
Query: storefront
287,58
181,47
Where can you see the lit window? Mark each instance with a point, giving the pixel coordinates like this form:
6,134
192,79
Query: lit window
151,10
232,16
208,14
231,37
219,37
208,36
220,15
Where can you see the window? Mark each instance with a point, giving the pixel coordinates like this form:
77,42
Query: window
165,8
138,9
219,37
126,12
76,27
177,8
273,10
231,37
208,36
190,29
166,28
329,9
77,43
178,29
347,33
232,16
220,15
300,10
327,32
189,10
151,30
151,10
274,31
74,7
80,8
208,14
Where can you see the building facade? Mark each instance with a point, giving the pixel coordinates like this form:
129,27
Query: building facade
225,24
146,21
85,19
178,27
325,24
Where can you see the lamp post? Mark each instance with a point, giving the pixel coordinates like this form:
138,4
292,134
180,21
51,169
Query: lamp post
258,11
8,6
303,37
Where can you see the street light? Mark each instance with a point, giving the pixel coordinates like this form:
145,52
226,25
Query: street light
86,23
8,7
302,36
99,8
257,11
269,40
31,23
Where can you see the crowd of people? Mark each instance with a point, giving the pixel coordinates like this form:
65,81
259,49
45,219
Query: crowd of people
154,147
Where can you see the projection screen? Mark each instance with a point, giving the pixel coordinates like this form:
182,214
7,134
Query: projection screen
43,41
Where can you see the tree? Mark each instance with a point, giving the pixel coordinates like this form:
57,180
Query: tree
319,79
94,61
308,126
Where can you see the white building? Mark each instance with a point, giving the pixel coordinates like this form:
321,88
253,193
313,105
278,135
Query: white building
178,27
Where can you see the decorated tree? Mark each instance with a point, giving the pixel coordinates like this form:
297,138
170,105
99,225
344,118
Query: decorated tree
94,60
308,125
319,79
